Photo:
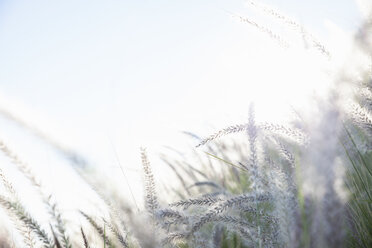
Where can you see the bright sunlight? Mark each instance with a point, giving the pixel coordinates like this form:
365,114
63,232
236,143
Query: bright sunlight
185,123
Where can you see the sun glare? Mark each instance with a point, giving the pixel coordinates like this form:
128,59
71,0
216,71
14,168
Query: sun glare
256,124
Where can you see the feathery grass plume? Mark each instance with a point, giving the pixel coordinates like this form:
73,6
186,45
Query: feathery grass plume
285,204
227,204
26,218
365,93
253,167
173,238
151,197
268,9
292,23
171,218
101,231
117,234
8,185
170,213
263,29
28,238
280,172
47,199
20,226
85,240
288,155
22,166
255,175
291,133
223,132
232,220
203,201
362,117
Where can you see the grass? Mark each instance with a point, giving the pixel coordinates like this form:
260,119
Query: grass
306,185
359,182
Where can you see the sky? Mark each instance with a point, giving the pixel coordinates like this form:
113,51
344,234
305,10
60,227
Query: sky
106,77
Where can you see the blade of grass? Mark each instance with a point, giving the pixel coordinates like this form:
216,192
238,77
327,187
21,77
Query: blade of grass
225,161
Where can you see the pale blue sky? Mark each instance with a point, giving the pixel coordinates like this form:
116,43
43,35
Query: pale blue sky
140,71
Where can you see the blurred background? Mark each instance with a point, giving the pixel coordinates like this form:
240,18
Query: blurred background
103,78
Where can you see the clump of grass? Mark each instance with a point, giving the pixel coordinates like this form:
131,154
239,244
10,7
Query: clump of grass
359,183
20,212
46,198
280,187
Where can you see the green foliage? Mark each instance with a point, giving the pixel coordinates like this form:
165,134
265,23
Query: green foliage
359,183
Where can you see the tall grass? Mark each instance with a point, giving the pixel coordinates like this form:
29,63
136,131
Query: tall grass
306,185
